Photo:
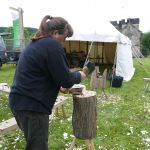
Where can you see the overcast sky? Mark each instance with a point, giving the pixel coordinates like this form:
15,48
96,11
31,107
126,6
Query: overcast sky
110,10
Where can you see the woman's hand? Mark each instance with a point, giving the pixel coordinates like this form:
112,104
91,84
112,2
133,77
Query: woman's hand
83,75
64,90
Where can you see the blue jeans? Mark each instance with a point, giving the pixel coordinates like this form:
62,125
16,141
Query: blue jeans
35,128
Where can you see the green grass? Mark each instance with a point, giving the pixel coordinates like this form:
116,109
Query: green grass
123,120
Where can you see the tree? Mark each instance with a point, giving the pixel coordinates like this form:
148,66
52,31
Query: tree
145,41
9,39
10,30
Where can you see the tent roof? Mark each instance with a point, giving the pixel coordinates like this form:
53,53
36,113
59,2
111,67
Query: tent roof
98,31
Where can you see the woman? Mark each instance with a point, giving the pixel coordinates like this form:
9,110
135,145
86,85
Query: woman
41,72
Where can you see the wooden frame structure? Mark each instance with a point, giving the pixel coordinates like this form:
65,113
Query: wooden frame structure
10,124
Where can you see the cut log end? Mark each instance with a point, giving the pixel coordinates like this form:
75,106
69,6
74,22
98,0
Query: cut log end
78,89
86,94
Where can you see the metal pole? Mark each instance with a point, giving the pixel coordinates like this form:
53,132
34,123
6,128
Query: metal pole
21,28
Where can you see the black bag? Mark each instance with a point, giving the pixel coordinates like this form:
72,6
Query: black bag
116,81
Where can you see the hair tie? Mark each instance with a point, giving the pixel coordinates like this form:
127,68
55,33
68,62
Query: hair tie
50,17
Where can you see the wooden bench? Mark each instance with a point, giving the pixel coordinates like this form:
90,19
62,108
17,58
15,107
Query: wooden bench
10,124
4,87
146,85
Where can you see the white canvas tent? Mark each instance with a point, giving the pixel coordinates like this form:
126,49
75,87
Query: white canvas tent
108,44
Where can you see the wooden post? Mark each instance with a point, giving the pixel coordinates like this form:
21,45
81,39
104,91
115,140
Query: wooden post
84,115
95,80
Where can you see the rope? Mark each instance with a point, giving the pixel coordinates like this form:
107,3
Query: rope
143,66
135,53
87,57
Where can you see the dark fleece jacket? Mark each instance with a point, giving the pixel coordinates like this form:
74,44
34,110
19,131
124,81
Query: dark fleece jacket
41,71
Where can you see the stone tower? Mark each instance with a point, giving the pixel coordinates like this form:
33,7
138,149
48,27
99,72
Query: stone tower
130,28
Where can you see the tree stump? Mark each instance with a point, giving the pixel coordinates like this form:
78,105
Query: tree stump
84,115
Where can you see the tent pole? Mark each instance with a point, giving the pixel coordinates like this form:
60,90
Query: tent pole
79,47
87,45
95,53
69,47
103,53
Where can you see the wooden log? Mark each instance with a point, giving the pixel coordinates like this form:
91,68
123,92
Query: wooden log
8,125
84,115
77,89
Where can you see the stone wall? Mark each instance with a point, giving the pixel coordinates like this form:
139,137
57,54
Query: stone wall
130,28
